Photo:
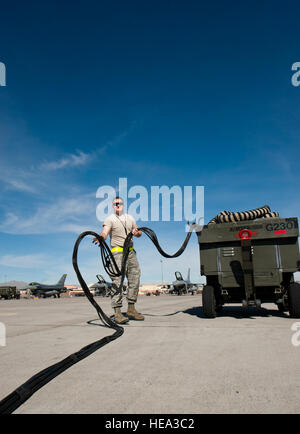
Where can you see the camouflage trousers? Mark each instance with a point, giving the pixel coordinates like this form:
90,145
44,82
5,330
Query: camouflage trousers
133,274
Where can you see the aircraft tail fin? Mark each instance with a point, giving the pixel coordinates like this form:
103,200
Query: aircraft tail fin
62,280
189,275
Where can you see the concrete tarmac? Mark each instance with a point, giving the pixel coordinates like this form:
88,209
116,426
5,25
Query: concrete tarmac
176,361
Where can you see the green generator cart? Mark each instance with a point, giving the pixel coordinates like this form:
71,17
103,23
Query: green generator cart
250,262
9,292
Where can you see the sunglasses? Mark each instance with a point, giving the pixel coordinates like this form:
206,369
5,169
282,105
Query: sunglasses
118,204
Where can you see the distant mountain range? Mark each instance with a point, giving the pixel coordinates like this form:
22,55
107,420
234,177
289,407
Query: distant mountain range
18,284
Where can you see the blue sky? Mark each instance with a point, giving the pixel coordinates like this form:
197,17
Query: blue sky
162,93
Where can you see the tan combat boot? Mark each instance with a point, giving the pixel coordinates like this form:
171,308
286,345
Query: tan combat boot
119,318
133,314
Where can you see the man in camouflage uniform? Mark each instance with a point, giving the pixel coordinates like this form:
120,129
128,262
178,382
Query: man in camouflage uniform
118,225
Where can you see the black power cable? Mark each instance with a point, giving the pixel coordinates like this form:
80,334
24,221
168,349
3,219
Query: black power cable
15,399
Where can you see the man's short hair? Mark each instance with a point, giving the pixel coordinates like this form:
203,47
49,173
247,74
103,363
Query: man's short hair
118,197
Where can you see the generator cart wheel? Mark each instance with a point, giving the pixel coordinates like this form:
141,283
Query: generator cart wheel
294,300
209,301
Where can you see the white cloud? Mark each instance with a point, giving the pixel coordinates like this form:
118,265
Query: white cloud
71,160
81,158
65,215
25,261
19,185
16,179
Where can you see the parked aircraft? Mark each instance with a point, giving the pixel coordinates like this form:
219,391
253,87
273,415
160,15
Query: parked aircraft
181,286
103,288
42,290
